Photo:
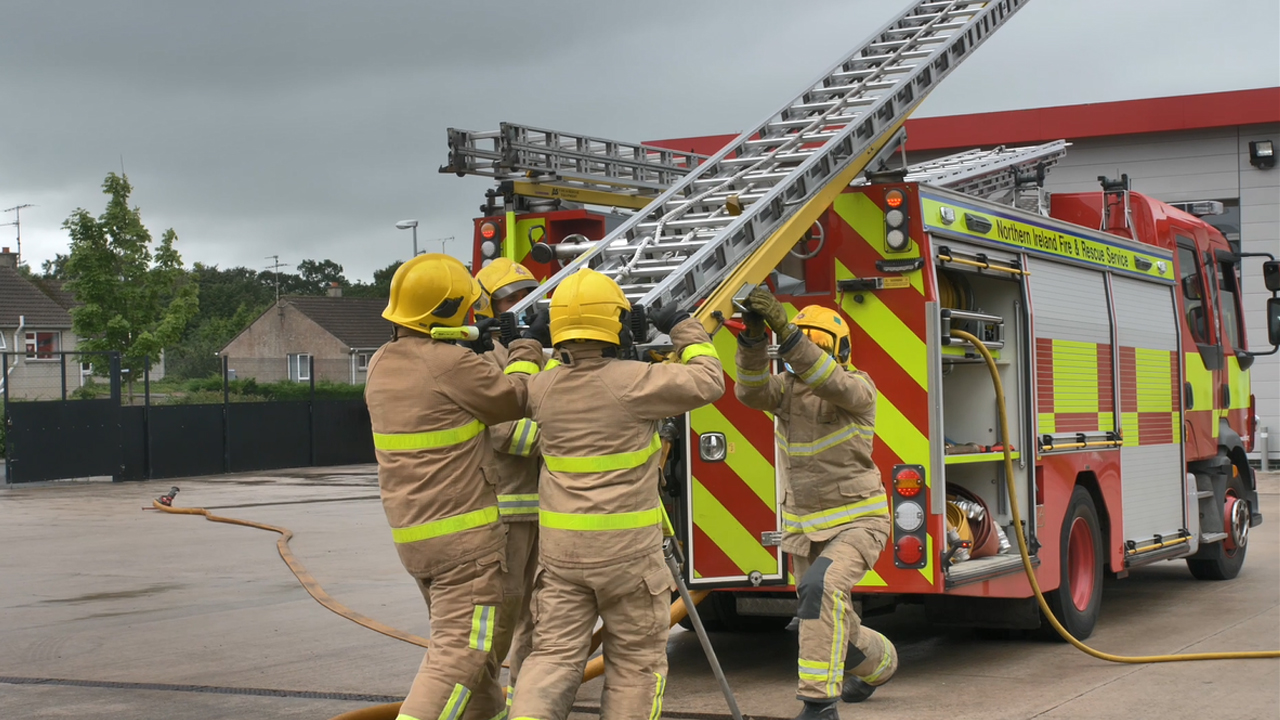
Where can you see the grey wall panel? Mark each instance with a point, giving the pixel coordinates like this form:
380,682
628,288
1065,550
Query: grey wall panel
1260,232
1151,485
1144,314
1069,303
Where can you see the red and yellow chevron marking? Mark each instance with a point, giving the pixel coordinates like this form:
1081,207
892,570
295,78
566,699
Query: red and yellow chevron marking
1074,390
734,501
889,343
1150,399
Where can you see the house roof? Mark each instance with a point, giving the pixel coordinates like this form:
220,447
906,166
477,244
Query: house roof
58,292
357,322
19,298
1066,122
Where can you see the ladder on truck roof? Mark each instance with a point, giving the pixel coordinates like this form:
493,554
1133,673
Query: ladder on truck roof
984,173
723,227
619,174
577,168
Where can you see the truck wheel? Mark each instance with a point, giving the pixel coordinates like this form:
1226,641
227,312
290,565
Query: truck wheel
1077,601
1222,560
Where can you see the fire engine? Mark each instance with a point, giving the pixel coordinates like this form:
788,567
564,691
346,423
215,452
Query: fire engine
1115,321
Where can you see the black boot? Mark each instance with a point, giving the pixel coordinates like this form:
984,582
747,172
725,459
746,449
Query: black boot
819,710
855,690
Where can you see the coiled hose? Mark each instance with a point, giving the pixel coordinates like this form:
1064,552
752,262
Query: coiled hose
1026,556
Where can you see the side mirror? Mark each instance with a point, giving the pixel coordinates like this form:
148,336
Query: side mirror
1271,275
1191,287
1273,321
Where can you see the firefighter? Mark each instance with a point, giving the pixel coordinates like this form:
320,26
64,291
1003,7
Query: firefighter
429,402
503,283
834,511
599,509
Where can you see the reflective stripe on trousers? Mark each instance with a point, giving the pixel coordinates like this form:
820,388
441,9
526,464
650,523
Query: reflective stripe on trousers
834,517
446,526
509,505
482,620
603,463
401,442
452,709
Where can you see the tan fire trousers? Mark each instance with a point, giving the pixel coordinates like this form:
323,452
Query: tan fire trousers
828,620
632,599
458,679
517,595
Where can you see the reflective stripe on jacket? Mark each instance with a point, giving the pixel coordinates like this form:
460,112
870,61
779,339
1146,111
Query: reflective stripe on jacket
598,420
429,403
826,427
515,451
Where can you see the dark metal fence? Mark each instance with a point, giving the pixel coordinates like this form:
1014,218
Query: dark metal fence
64,417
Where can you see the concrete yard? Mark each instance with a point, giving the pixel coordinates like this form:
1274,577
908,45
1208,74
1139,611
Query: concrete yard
110,611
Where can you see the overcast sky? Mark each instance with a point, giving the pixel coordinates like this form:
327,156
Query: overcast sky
307,128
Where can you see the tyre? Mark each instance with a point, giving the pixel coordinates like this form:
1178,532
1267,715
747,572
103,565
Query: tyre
1222,560
1077,601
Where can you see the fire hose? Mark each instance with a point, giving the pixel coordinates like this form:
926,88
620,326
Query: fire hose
1026,555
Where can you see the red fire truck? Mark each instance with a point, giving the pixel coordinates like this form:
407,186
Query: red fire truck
1115,320
1117,326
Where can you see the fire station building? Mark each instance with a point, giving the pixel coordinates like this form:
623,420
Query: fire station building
1212,147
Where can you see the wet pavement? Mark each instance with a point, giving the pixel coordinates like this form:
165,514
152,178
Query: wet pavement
108,610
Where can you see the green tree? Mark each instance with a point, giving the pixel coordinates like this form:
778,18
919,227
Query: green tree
316,275
135,301
55,269
381,285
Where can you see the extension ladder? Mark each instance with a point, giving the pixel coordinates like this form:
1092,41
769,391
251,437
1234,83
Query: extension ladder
720,229
617,173
578,168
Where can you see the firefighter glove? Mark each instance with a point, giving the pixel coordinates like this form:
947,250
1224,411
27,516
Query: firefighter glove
762,302
754,323
539,328
668,317
486,326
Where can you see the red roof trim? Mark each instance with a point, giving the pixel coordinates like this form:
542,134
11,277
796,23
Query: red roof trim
1068,122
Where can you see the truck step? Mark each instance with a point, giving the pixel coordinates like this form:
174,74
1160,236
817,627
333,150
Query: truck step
1204,494
1213,537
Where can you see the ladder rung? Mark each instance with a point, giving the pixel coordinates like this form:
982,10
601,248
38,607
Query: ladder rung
846,102
782,157
818,137
826,122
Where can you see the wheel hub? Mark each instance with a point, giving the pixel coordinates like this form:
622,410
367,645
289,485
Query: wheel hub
1236,521
1081,564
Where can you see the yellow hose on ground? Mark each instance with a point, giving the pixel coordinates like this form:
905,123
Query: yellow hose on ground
1026,556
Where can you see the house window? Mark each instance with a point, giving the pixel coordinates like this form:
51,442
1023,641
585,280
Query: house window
300,367
43,345
362,361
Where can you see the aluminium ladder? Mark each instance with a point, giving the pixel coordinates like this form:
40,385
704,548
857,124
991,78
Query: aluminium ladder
629,171
579,168
724,226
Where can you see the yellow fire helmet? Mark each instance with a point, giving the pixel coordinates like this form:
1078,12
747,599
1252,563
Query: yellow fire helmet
431,291
498,279
587,306
827,330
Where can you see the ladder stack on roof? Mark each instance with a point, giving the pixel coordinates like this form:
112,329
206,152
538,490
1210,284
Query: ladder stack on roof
729,213
577,167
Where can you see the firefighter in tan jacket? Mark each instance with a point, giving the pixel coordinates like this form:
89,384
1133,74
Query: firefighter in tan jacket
834,510
503,283
599,508
429,402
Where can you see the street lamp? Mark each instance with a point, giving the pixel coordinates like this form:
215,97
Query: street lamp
407,224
